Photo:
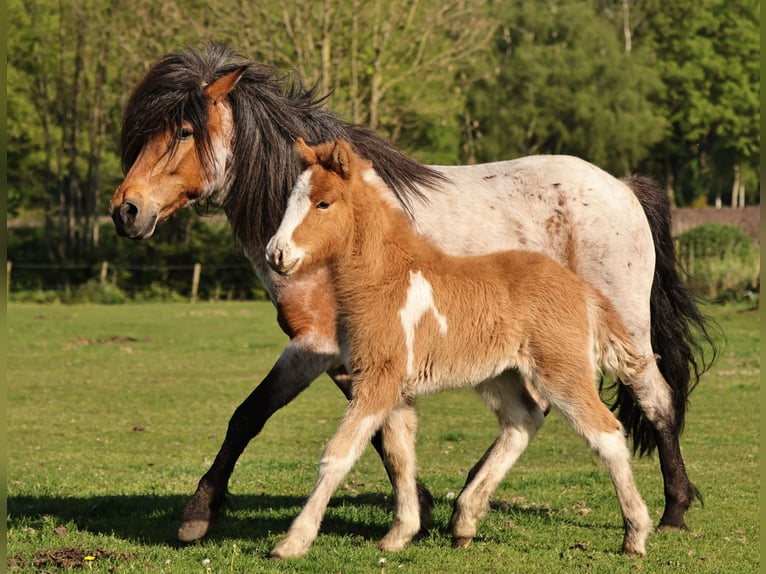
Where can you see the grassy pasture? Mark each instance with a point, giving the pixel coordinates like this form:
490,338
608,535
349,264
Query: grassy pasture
115,412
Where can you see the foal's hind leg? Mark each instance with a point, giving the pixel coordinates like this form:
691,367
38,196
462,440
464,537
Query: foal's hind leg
520,417
584,410
399,431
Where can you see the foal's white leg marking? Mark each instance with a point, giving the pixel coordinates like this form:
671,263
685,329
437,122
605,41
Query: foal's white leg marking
420,300
340,454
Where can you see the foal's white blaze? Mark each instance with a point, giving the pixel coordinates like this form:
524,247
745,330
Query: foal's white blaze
420,300
298,206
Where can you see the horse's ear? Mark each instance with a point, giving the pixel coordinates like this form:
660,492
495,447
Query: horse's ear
341,159
306,154
219,89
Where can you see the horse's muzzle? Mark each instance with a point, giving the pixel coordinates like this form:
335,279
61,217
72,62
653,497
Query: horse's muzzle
130,221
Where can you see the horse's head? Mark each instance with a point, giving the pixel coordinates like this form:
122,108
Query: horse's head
176,160
319,211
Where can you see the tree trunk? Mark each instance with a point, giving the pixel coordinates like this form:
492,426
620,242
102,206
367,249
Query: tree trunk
626,24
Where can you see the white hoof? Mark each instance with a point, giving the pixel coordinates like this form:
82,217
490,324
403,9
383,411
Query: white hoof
289,548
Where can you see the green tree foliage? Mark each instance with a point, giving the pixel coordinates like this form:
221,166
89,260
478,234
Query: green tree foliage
708,55
61,144
667,88
396,66
561,81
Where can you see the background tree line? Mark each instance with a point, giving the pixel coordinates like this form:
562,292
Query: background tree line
669,89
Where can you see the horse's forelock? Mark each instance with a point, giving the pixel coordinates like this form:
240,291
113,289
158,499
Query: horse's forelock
170,93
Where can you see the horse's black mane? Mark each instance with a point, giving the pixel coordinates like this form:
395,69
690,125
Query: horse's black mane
270,112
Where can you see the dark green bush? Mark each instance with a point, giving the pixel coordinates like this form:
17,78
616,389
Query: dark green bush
722,261
93,291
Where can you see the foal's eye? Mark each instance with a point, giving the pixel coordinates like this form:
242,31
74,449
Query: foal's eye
323,205
184,134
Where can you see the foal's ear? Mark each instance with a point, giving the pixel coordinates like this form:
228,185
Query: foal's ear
341,159
305,153
219,89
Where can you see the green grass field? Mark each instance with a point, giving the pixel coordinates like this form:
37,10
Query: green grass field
115,412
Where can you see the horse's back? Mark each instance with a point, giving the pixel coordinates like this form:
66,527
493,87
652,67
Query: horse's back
562,206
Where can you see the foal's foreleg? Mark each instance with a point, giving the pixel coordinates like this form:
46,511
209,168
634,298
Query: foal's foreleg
520,417
425,499
342,451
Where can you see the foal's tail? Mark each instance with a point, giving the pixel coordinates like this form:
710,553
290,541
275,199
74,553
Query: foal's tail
679,330
613,348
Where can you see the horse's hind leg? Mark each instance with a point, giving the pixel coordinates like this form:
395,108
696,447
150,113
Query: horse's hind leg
584,410
653,395
519,416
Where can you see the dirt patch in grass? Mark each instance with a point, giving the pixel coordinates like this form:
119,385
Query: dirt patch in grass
87,341
66,558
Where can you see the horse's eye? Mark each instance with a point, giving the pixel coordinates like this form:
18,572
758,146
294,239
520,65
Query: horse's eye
323,205
184,134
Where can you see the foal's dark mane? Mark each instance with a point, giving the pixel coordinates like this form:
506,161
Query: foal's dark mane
270,111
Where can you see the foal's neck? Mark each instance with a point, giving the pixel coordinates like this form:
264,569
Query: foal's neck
384,241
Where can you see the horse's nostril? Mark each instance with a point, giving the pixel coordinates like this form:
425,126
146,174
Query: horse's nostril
128,212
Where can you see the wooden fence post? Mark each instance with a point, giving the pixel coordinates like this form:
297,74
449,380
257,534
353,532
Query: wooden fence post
195,282
8,267
104,271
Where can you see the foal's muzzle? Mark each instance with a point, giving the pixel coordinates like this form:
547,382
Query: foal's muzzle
279,258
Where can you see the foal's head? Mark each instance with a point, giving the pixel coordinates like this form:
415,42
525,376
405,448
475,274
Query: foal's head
319,215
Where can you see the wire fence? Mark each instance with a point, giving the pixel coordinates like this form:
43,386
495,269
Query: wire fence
182,280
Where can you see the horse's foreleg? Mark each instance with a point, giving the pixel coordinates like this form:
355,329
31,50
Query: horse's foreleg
293,372
425,498
520,417
340,454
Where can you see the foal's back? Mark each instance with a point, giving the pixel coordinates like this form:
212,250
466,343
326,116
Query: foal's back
489,313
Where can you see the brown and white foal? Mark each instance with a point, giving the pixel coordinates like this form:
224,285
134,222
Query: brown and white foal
414,320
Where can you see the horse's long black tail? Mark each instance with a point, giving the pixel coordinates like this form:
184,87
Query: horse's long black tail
679,331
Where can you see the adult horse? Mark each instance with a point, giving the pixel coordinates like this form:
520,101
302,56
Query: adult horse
209,125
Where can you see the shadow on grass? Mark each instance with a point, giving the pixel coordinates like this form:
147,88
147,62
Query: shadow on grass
154,519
